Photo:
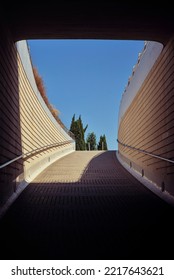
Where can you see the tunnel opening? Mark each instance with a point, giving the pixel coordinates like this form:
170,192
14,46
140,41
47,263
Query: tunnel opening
77,24
103,80
87,78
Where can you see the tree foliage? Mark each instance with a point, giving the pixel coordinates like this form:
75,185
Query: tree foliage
78,130
102,145
91,141
41,88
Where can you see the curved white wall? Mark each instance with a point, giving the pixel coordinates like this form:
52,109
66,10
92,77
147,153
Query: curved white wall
146,117
146,60
38,126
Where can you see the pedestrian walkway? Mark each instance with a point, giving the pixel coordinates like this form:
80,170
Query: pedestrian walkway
87,206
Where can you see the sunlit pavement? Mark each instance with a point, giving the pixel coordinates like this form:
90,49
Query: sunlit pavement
87,206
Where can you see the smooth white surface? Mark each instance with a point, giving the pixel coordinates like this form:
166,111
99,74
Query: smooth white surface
146,60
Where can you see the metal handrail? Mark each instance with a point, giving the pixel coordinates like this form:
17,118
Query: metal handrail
145,152
34,151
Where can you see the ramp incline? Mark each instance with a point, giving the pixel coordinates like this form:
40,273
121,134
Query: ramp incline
87,206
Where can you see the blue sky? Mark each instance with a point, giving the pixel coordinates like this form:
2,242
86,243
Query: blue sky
87,78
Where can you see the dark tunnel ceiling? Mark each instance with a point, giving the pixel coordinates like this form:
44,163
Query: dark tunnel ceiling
89,20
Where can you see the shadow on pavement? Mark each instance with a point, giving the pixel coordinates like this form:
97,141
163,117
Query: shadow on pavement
107,214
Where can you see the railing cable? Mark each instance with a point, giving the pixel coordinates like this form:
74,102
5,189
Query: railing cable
34,151
145,152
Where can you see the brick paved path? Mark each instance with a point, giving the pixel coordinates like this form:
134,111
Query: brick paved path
86,206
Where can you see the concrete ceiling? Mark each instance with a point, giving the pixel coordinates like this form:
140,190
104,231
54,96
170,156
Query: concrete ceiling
88,20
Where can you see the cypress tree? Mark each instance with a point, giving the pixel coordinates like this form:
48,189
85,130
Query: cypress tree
102,145
77,128
72,126
82,132
91,141
105,146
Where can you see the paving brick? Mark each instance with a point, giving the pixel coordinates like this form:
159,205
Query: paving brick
87,206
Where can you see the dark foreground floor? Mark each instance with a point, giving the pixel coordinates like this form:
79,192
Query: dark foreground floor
105,214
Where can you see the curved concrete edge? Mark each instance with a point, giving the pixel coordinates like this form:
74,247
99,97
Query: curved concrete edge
24,54
41,165
147,183
141,69
22,187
